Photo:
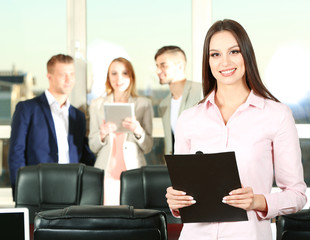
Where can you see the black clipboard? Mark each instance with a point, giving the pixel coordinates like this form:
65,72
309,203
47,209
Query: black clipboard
207,178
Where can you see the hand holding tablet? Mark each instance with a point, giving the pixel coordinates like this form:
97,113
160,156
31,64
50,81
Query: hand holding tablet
117,113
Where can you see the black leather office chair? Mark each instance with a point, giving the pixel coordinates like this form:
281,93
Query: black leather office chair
100,222
54,186
145,188
294,226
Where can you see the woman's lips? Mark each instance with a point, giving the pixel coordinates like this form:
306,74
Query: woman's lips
228,72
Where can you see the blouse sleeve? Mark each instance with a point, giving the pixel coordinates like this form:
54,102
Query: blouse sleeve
288,170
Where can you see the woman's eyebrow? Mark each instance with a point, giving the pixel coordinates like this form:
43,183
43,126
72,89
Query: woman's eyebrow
228,48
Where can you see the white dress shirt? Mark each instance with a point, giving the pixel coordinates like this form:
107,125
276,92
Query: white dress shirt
174,114
61,122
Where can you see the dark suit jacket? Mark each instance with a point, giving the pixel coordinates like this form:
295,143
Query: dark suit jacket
33,137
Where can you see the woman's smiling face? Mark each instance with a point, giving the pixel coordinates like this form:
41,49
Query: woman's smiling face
119,77
226,61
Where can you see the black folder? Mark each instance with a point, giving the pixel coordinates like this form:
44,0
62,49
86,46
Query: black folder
207,178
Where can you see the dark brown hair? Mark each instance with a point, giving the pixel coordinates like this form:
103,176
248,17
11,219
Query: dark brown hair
169,50
252,76
132,86
61,58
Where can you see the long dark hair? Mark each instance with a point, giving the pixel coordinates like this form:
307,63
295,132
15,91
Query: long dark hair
252,76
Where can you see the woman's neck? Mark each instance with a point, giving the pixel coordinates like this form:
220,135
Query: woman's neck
121,97
229,98
232,95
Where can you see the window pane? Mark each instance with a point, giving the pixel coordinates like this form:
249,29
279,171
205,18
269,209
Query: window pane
136,29
32,31
278,30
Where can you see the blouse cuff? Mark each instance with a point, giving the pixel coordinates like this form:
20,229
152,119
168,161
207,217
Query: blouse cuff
142,137
104,142
271,212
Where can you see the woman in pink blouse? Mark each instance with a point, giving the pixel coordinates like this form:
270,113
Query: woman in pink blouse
239,114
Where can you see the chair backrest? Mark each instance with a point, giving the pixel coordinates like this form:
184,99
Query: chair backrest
100,222
54,186
294,226
145,188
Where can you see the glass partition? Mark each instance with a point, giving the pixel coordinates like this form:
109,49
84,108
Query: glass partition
136,30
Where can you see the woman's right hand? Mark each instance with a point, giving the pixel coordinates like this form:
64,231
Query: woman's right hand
178,199
106,128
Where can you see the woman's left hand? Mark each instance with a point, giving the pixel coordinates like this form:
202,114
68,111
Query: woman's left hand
134,126
245,198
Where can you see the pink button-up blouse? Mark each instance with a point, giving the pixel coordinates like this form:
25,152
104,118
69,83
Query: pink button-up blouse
263,135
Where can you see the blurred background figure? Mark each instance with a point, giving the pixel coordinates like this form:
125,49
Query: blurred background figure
120,151
171,66
47,128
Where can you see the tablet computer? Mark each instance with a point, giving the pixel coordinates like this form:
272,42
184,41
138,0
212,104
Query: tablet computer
207,178
117,112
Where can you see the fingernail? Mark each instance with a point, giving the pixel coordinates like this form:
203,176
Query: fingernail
184,193
190,198
193,201
224,200
230,193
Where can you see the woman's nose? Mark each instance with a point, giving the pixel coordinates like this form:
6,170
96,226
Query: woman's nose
225,60
120,78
